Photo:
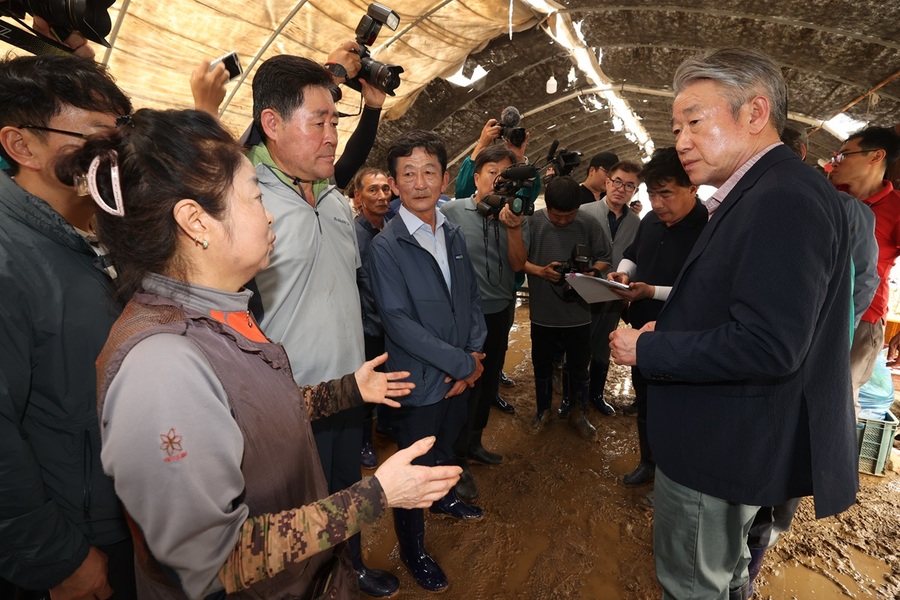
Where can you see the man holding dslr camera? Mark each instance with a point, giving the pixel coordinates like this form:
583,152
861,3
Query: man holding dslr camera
515,139
558,319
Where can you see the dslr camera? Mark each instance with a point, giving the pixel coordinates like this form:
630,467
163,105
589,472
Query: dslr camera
514,135
88,17
383,76
579,261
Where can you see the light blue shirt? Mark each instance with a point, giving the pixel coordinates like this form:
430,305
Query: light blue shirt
435,242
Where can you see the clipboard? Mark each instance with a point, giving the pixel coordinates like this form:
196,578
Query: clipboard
595,289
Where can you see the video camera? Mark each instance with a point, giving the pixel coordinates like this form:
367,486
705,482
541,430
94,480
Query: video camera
88,17
509,126
578,262
506,191
511,182
565,161
383,76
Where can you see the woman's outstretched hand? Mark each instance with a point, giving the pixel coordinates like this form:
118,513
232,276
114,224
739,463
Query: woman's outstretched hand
413,486
377,387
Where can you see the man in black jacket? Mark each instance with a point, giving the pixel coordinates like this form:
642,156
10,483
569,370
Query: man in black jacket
60,522
748,362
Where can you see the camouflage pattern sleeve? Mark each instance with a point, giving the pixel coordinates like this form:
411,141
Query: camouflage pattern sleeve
269,542
330,397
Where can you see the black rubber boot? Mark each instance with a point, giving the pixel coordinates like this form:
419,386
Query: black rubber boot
502,405
599,372
409,525
374,582
543,393
643,473
566,405
579,419
477,452
454,507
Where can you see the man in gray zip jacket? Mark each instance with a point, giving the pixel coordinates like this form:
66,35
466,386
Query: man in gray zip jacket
308,293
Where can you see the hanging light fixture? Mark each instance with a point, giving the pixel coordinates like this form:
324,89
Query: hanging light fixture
551,85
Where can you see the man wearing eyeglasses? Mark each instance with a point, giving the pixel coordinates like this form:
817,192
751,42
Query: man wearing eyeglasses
64,534
594,186
859,168
620,224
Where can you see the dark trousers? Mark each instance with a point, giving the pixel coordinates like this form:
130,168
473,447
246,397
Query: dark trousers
604,320
770,523
444,420
640,398
119,573
575,341
374,347
486,387
339,441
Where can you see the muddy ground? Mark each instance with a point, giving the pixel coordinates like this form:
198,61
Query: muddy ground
559,523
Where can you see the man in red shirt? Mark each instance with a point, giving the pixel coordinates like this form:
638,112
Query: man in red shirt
859,169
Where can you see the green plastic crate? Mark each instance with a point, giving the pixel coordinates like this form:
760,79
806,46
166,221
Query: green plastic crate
876,438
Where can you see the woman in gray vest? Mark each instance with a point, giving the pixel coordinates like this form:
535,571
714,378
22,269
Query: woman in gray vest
204,431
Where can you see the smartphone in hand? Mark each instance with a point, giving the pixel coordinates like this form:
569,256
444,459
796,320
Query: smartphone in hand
232,65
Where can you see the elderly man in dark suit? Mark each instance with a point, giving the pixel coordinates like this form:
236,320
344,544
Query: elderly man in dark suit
749,358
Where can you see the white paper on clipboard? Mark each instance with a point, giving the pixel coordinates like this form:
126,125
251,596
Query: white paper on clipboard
592,289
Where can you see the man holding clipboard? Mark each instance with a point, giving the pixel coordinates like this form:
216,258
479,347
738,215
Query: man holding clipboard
651,264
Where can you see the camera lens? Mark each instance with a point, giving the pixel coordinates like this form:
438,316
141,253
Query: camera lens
386,77
65,16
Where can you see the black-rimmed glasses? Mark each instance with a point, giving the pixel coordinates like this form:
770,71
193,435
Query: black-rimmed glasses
83,136
619,184
839,156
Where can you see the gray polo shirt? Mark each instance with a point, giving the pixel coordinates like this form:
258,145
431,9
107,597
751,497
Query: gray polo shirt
496,279
309,293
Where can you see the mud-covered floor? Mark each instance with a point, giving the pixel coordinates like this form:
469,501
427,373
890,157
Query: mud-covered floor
559,523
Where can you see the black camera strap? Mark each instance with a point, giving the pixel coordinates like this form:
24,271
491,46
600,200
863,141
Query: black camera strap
487,263
559,295
31,43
